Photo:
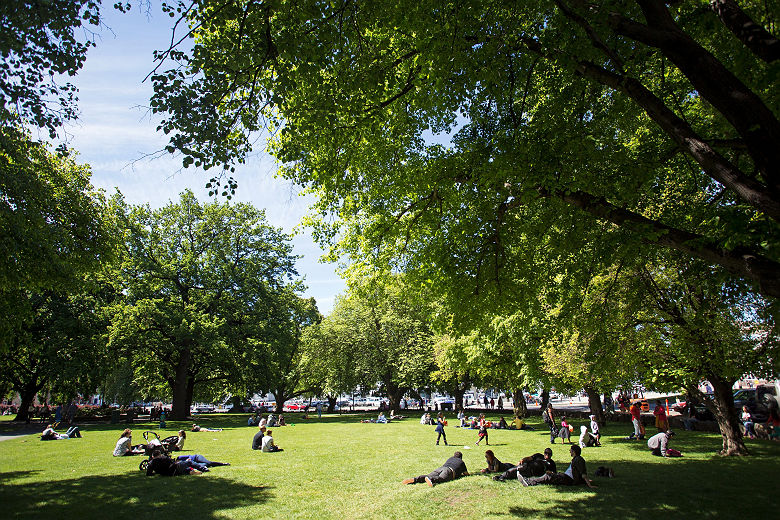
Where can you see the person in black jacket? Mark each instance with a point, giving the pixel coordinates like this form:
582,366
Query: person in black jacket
453,468
575,475
534,466
257,440
163,465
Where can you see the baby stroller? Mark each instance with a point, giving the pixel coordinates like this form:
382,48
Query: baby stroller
153,442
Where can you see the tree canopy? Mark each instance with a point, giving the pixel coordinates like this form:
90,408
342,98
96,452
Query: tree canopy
658,118
198,281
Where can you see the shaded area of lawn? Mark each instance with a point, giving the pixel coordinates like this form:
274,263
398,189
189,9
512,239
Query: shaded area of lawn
126,496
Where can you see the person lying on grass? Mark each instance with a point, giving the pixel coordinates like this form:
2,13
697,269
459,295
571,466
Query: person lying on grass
163,465
197,428
124,446
200,462
576,473
50,435
452,468
534,466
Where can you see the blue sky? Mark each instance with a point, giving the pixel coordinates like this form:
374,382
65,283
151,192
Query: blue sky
115,132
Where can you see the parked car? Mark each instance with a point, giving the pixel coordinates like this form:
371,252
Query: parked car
444,403
758,399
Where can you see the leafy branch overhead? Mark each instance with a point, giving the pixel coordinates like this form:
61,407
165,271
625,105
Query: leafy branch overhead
421,122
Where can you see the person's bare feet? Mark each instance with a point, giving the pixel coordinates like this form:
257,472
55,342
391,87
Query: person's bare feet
429,482
407,481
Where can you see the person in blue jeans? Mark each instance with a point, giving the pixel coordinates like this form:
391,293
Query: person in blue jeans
50,435
200,462
440,429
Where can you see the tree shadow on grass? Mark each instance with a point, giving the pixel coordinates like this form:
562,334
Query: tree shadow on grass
130,496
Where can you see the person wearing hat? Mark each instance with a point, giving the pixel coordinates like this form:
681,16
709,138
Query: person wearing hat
659,443
594,428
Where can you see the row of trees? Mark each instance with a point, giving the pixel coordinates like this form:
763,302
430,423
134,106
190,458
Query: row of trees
600,203
189,300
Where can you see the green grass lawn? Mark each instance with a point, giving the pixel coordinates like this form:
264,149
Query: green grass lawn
340,468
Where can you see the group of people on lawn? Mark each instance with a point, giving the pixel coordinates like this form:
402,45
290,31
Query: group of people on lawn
535,469
530,471
540,468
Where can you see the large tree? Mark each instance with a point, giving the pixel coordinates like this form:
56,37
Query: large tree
385,323
60,347
194,277
659,117
690,328
281,354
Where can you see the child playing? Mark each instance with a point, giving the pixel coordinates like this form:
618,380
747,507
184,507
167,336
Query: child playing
565,432
483,433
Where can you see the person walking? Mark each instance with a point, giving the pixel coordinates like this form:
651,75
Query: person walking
483,433
440,424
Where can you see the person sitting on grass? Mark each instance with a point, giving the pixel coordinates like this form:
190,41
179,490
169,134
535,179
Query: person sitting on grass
587,439
257,440
502,425
576,473
50,435
179,444
381,419
163,465
268,443
453,468
534,466
124,446
494,465
197,428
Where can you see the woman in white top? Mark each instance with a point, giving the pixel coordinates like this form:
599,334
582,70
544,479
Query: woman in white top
124,446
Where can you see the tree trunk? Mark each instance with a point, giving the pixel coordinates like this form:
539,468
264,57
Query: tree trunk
179,408
28,396
519,406
728,417
331,403
459,397
594,401
394,395
545,399
722,407
280,396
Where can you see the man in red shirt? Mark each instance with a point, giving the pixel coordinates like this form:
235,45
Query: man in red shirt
636,414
